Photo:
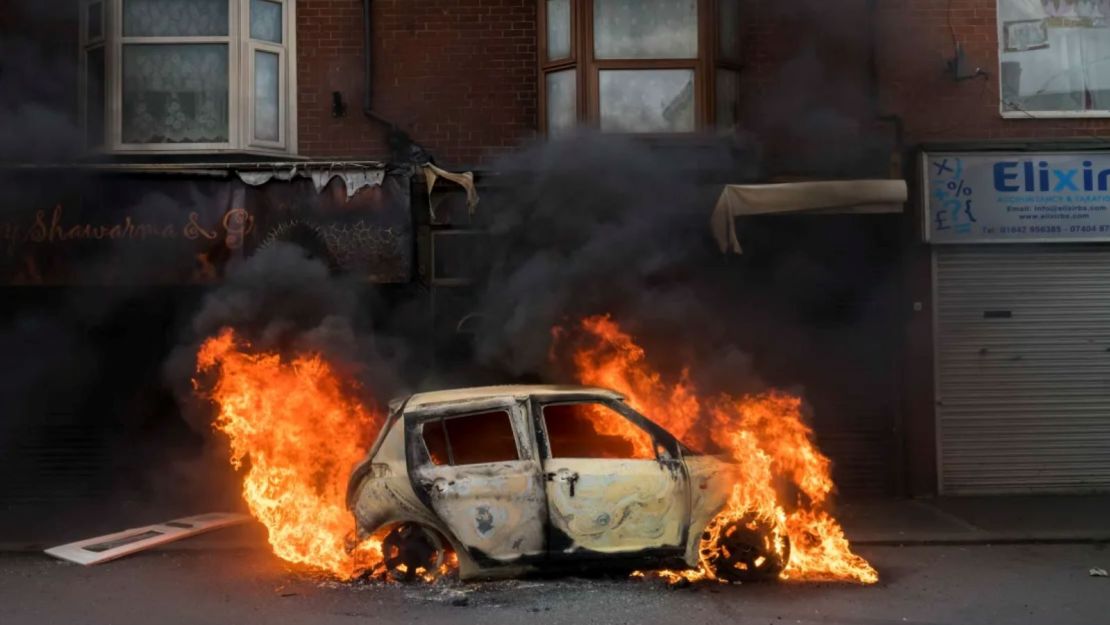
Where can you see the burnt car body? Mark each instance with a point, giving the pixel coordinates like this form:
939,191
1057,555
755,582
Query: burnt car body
519,479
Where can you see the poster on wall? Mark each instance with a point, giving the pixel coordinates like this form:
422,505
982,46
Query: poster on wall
1024,197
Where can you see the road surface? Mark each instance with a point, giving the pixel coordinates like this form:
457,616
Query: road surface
1011,585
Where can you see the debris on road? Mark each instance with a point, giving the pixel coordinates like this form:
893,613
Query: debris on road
112,546
1096,572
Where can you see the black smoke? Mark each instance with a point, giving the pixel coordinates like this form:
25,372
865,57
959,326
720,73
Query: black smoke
38,82
283,299
608,225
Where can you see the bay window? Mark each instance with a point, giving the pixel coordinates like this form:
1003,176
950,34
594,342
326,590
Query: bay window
639,66
179,76
1054,58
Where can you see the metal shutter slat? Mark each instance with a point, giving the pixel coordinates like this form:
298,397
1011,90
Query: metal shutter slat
1023,398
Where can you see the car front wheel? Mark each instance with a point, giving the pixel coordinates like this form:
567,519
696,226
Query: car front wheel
411,551
744,549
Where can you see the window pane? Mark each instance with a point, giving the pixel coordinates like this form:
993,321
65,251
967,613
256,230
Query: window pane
562,102
175,93
266,96
482,438
435,440
94,22
266,20
1053,56
647,100
558,29
646,29
728,98
174,18
594,431
728,24
94,97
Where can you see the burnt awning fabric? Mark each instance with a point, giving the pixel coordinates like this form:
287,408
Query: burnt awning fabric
831,197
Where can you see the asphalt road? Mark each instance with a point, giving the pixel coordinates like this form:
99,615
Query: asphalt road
1011,585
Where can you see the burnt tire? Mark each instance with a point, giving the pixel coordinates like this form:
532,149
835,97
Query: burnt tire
745,551
411,550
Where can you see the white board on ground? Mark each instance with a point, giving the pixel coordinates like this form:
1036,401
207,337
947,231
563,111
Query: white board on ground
112,546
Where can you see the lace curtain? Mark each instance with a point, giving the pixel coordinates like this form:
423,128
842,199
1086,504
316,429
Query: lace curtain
1057,56
646,100
175,93
175,18
266,20
646,29
266,113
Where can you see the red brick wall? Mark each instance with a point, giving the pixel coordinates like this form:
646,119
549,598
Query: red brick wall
806,88
915,39
459,76
808,85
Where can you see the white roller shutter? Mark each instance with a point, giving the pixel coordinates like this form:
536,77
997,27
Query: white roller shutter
1023,368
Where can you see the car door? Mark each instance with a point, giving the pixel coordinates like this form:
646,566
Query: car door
613,486
476,467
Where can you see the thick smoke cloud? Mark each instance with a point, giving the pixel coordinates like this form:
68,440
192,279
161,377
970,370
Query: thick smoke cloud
606,225
87,423
601,224
38,78
812,100
583,226
282,299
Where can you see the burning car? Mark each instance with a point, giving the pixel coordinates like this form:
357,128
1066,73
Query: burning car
518,479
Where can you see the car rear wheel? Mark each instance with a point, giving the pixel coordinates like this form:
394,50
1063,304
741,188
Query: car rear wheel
411,550
744,550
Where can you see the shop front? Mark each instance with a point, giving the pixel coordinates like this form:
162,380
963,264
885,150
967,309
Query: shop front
1020,248
101,270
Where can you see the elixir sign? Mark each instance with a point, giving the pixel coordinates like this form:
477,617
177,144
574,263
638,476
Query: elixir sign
1025,197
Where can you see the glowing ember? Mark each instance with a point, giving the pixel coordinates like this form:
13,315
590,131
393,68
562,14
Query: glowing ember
301,430
764,434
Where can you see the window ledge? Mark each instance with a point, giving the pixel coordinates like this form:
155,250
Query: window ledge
200,154
1056,114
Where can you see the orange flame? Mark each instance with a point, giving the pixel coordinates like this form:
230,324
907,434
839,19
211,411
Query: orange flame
765,435
302,430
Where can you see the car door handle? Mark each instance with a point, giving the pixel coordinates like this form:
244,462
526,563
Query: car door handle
564,476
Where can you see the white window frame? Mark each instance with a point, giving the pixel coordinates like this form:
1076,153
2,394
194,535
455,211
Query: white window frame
241,49
1027,114
252,46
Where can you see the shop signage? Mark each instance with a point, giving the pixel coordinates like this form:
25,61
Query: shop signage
77,228
1014,198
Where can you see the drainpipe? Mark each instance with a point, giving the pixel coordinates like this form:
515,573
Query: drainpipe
902,438
401,145
873,75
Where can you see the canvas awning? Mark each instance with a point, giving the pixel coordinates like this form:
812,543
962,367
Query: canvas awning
823,198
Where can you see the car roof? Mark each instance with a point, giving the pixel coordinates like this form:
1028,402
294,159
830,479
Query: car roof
420,400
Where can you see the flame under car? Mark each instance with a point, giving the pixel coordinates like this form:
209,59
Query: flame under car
522,479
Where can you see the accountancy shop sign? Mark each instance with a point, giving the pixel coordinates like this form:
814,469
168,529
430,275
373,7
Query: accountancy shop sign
1024,197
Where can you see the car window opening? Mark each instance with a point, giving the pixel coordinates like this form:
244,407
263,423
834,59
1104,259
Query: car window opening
435,440
471,439
594,430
